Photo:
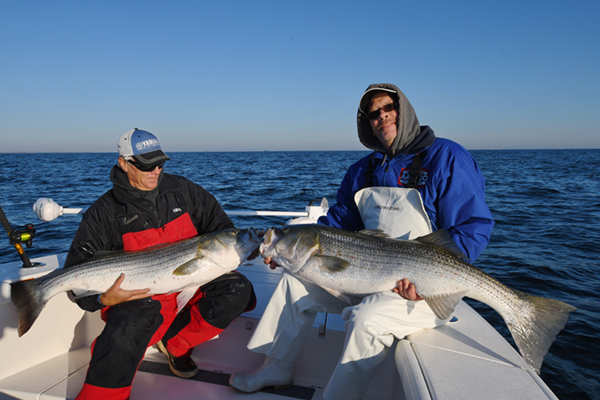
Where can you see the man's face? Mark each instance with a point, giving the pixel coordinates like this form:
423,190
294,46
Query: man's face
139,179
384,126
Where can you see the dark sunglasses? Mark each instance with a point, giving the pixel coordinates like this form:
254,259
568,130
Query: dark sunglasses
146,168
387,108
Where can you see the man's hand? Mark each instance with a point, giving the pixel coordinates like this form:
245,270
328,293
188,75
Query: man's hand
267,261
115,295
272,264
407,290
254,254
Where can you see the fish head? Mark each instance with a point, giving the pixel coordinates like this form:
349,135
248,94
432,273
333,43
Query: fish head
290,246
229,248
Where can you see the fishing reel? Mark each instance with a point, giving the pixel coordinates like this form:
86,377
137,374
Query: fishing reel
24,235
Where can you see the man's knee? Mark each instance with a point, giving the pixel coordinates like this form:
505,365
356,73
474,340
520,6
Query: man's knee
226,298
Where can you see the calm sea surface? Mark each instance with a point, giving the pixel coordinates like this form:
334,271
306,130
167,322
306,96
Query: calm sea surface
546,204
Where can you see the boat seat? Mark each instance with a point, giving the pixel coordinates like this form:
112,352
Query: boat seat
439,363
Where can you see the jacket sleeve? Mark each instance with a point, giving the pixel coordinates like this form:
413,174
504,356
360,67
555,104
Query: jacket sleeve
460,205
91,236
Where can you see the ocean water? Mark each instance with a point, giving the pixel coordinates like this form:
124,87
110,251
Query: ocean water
546,204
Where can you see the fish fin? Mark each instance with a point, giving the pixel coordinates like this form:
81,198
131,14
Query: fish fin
535,325
185,296
331,264
374,232
442,240
29,302
79,293
189,267
443,305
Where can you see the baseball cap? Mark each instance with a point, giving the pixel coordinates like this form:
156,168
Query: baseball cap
142,145
366,97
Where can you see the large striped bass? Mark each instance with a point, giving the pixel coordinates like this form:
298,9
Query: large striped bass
183,267
355,264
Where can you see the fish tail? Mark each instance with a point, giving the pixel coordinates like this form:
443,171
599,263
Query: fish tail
28,301
535,324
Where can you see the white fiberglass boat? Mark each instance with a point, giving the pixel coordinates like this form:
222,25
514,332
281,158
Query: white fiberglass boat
464,359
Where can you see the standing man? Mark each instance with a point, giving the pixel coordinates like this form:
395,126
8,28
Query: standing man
411,185
147,207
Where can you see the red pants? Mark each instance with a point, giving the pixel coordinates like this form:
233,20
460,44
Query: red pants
133,326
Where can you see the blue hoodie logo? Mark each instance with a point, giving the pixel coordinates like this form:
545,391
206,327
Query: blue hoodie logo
405,177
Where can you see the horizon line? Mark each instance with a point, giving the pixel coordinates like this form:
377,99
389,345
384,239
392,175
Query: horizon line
288,151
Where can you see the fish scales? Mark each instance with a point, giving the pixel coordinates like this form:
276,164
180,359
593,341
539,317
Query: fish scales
99,274
353,264
381,263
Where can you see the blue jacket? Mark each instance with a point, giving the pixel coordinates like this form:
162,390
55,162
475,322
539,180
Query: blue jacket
451,186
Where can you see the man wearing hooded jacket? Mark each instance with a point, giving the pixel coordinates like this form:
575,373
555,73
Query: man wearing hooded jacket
411,185
147,207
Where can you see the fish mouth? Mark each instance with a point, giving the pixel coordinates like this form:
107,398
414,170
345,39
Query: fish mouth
269,240
249,235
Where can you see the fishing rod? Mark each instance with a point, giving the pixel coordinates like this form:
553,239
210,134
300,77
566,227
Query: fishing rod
18,237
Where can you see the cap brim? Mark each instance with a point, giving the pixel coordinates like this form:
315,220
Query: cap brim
153,157
366,97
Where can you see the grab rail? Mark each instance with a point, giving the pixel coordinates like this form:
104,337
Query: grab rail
48,210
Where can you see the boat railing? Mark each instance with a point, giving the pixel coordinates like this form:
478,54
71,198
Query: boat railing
47,209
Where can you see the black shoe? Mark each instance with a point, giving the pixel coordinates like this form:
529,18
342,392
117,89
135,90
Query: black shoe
183,367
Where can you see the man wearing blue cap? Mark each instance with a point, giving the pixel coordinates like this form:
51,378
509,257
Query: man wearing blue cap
147,207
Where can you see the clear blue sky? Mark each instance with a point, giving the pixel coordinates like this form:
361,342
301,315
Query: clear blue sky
285,75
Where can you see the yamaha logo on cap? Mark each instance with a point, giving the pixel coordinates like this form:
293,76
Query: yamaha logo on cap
144,142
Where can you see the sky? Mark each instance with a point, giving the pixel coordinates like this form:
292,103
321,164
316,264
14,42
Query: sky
288,75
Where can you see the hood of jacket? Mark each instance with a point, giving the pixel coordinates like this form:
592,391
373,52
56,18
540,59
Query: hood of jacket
411,137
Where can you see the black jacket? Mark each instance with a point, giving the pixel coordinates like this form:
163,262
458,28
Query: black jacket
124,209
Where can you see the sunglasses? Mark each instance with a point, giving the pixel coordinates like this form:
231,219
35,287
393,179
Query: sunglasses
146,168
387,108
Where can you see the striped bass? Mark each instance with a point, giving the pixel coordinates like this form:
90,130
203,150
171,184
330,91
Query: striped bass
182,266
358,264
